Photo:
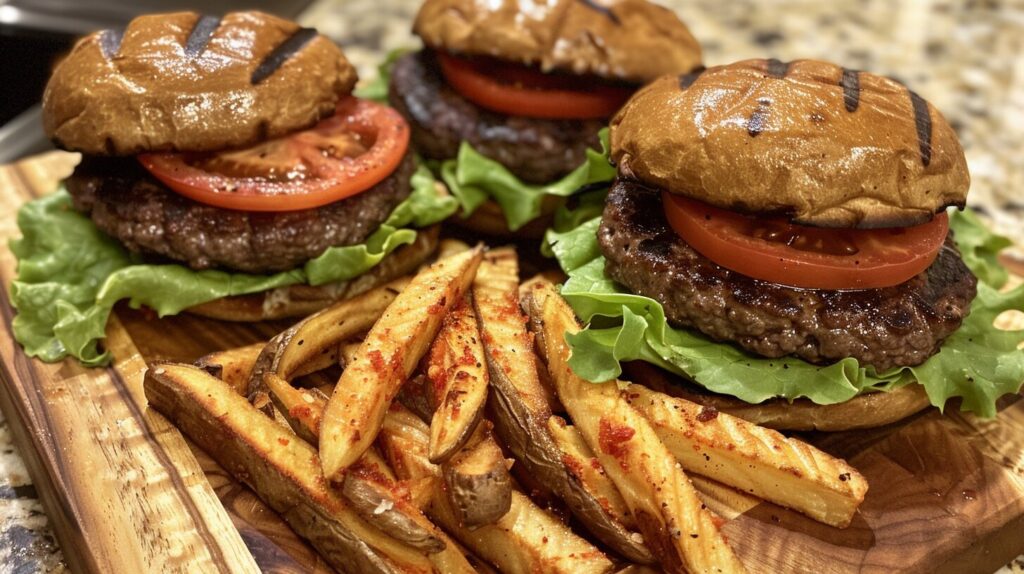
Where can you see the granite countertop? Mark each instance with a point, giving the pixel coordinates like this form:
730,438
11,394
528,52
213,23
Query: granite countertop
966,57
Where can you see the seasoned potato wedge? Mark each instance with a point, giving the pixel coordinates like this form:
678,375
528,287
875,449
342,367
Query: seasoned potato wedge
369,486
587,470
521,405
232,366
301,408
477,481
753,459
525,540
384,503
282,470
458,375
390,353
676,526
313,342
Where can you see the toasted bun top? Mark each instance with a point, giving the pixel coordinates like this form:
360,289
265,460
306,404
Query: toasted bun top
182,82
827,146
631,40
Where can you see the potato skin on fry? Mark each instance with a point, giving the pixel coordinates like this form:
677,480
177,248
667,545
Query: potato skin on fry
458,376
521,407
283,470
391,351
313,342
478,483
232,366
526,540
369,486
373,496
678,529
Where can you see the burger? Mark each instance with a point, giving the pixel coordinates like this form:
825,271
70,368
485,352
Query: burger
778,243
226,170
510,97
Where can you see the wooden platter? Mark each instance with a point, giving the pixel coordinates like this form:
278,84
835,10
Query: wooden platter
125,492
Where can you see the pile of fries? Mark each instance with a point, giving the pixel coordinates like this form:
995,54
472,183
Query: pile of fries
455,422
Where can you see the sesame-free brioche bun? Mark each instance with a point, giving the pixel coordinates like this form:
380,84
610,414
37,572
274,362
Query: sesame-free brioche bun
823,145
629,40
185,82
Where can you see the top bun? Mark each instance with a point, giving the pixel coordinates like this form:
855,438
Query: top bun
182,82
630,40
824,145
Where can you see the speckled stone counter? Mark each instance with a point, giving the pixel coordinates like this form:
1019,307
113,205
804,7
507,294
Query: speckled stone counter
966,57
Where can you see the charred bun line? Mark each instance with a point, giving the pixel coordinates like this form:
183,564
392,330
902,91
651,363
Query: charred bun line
850,82
280,54
200,35
821,144
606,10
186,82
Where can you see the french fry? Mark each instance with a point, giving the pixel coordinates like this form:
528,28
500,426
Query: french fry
384,503
521,404
313,342
347,352
301,408
458,374
587,469
676,526
753,459
369,486
232,366
390,353
525,540
282,470
477,481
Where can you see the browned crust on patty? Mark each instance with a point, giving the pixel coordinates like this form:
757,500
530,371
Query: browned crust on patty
883,328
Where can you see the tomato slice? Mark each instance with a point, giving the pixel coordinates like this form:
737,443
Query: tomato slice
348,153
522,91
772,249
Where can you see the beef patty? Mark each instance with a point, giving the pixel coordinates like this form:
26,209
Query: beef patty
535,150
884,328
127,203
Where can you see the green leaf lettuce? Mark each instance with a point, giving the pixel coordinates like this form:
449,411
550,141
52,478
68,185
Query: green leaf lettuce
70,274
473,179
978,362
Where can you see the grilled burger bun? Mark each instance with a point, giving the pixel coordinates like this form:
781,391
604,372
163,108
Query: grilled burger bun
186,82
593,47
222,93
820,144
813,150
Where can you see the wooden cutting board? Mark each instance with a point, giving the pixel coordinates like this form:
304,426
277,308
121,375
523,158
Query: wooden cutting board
125,492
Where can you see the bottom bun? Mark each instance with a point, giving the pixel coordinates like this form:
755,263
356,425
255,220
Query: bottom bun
489,219
867,410
299,300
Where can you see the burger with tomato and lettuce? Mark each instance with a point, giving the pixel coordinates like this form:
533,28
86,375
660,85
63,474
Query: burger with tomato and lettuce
226,170
778,243
510,96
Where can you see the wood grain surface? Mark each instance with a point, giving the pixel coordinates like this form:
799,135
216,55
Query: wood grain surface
126,493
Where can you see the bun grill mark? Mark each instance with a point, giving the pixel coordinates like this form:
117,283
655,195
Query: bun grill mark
687,80
200,35
756,123
850,83
594,5
279,55
777,69
923,123
110,42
